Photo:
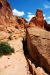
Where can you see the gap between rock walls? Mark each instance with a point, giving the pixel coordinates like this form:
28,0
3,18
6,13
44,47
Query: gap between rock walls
33,65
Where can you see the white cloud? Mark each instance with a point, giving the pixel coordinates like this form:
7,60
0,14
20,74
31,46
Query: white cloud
29,13
45,18
48,22
44,15
17,13
29,17
46,6
49,17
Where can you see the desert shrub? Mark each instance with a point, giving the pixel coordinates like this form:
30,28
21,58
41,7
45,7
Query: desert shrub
5,49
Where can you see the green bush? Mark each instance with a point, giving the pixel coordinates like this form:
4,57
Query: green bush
5,49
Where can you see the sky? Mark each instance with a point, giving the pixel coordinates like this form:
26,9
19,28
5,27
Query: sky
27,8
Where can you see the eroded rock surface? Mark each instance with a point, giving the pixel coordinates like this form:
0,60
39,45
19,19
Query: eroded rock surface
36,70
39,21
38,41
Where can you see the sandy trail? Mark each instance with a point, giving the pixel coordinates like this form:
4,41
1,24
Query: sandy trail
16,63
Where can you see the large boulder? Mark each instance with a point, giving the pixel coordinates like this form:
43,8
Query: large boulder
38,41
39,21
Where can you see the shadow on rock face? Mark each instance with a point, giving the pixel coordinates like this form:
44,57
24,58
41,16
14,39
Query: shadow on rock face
0,5
47,27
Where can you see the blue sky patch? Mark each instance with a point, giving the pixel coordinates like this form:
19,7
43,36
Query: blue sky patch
27,8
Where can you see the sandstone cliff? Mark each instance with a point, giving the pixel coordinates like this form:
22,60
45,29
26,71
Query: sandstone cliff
6,15
38,42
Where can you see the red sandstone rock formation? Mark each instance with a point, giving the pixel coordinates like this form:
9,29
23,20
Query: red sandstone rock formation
6,15
22,22
5,8
5,11
39,21
38,43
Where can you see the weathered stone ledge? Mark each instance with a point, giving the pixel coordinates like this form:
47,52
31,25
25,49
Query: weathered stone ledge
38,42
